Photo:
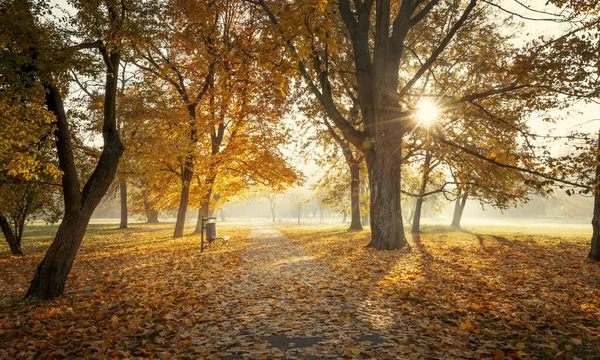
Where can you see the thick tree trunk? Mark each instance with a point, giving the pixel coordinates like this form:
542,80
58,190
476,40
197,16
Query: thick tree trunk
51,275
387,229
123,191
152,217
14,242
49,279
594,253
355,196
183,200
459,208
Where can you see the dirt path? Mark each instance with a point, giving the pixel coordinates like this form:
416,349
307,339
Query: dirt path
288,306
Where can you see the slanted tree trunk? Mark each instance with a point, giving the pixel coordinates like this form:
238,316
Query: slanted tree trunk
123,192
14,242
594,253
459,207
49,279
184,199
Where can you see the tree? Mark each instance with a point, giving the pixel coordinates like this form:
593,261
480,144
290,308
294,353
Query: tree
184,60
100,27
20,202
380,36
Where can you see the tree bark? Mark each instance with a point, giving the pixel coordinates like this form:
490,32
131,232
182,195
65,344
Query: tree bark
594,253
416,224
355,196
204,210
13,241
459,208
188,173
151,212
123,192
152,217
49,279
386,216
184,199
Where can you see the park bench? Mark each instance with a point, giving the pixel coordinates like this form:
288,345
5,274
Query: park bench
209,226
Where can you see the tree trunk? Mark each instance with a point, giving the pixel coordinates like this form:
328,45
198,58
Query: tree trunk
594,253
184,199
416,224
204,210
345,215
222,214
123,191
459,207
365,219
188,173
152,217
13,241
355,196
387,229
49,279
320,214
299,213
273,210
151,212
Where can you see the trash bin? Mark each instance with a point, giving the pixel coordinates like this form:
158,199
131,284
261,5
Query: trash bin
210,225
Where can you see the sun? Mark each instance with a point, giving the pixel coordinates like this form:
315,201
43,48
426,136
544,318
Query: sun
427,113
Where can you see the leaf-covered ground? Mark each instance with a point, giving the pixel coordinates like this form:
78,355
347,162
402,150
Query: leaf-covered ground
319,294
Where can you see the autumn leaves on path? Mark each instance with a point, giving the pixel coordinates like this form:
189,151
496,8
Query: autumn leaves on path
294,308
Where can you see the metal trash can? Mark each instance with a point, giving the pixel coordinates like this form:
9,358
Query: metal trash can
210,225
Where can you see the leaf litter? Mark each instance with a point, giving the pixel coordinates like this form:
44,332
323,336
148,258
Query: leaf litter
319,294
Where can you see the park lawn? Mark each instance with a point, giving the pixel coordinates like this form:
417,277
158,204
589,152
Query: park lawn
130,292
525,292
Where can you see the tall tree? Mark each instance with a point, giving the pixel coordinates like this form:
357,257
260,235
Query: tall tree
180,53
100,27
380,35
